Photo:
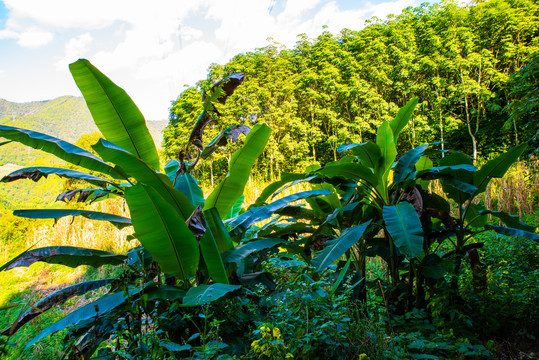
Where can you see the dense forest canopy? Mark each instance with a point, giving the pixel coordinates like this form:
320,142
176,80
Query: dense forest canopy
335,89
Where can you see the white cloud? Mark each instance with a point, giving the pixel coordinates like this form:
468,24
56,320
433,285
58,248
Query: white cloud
30,38
189,34
35,38
8,34
96,14
2,72
75,48
152,48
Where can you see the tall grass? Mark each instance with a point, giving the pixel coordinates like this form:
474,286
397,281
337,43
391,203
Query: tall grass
517,192
82,232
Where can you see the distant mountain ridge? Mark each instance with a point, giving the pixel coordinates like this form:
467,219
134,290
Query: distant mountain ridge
66,118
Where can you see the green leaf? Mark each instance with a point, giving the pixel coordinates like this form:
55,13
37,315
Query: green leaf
512,221
225,195
513,232
388,149
204,294
475,216
242,222
212,256
169,293
368,153
405,165
423,163
185,183
340,277
56,299
236,209
188,185
162,231
118,221
219,232
239,253
36,173
273,187
143,173
497,167
65,255
114,113
336,248
404,226
430,267
349,171
455,189
100,307
403,117
59,148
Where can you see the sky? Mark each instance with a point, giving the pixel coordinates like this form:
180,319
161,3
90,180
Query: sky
154,49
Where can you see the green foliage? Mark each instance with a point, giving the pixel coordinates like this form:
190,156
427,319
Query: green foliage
339,88
173,232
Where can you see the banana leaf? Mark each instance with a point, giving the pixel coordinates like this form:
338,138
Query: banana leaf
386,142
162,231
212,256
343,272
143,173
98,308
512,221
219,232
336,248
273,187
368,153
64,255
114,113
59,148
37,172
497,167
404,226
513,232
239,253
118,221
232,133
205,294
225,195
406,164
455,191
56,299
403,117
87,194
242,222
349,171
185,183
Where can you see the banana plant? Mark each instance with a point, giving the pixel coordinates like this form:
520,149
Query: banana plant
380,205
177,227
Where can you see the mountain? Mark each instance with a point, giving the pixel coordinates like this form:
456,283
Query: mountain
66,117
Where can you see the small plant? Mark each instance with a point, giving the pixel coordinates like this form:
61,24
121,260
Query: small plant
270,344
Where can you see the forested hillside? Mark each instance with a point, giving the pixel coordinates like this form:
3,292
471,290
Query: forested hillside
65,117
338,88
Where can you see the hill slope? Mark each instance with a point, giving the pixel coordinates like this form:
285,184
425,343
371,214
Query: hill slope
67,118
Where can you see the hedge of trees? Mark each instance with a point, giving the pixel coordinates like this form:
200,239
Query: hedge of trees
459,61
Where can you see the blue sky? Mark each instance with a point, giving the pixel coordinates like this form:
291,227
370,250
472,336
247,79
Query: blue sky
153,49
